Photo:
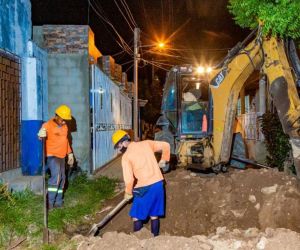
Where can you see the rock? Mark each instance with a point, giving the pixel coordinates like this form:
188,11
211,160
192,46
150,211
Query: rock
237,244
70,229
221,230
187,177
251,232
228,189
257,206
144,233
252,198
269,232
236,232
193,174
239,213
269,190
206,246
262,243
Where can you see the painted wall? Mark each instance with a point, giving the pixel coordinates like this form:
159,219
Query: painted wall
15,35
15,25
111,111
69,84
34,107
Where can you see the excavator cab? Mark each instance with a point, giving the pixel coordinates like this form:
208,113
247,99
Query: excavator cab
186,102
185,113
193,106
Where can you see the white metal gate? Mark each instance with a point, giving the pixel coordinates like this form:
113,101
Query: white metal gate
111,109
251,126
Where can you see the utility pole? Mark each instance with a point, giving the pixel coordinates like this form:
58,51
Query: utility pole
136,57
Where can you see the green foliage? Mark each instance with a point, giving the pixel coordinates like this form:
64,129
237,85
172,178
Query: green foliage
5,195
277,142
82,197
280,18
24,216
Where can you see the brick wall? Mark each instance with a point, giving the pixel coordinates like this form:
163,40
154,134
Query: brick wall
66,38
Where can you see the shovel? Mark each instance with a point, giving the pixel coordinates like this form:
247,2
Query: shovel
107,218
45,229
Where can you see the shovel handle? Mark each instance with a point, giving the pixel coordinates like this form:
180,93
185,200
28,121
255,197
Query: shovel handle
45,231
107,218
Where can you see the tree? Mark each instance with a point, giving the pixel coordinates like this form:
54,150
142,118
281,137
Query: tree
153,93
280,18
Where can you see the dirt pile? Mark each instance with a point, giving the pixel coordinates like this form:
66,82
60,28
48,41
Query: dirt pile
237,239
198,205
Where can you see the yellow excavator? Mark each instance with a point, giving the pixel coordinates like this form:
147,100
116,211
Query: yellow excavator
212,148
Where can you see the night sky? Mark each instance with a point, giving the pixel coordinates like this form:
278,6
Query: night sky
198,31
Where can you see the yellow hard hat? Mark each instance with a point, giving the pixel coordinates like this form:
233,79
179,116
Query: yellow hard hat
117,136
64,112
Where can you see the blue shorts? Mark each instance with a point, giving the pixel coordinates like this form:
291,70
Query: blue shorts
150,203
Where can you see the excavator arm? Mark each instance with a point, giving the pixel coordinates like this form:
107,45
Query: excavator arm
225,87
268,56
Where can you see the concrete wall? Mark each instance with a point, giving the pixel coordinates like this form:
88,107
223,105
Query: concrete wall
15,25
69,84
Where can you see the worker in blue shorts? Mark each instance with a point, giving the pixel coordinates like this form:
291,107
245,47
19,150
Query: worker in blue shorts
143,178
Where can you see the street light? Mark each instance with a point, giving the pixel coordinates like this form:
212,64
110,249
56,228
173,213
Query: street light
161,45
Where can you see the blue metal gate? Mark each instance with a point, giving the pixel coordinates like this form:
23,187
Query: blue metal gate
111,109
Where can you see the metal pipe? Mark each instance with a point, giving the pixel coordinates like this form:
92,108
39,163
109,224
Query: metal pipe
249,162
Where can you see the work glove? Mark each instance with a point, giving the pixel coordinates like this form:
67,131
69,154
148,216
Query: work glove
127,196
164,166
162,163
42,133
71,159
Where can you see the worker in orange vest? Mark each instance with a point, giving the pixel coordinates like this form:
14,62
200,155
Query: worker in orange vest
57,147
143,178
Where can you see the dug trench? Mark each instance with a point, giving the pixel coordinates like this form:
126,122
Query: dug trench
201,205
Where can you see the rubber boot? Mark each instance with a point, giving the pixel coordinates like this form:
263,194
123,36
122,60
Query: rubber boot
155,227
137,225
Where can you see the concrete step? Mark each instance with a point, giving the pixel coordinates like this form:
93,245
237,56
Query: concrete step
33,183
17,182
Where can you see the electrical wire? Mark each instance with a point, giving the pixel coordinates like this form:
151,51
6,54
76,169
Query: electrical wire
122,42
158,62
129,24
129,13
154,64
129,68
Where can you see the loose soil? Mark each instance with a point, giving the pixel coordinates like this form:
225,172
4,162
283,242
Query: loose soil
238,208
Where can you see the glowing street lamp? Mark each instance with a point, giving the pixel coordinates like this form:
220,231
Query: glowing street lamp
200,69
161,45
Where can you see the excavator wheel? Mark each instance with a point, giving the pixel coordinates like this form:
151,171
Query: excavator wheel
224,168
217,168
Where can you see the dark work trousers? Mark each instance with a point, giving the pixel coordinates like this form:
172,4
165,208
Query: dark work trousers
57,181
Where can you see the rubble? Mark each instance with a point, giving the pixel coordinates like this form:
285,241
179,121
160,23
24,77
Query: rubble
281,239
250,209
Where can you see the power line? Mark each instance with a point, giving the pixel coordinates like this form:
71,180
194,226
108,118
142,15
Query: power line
123,43
154,64
129,13
129,68
123,15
